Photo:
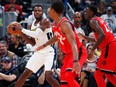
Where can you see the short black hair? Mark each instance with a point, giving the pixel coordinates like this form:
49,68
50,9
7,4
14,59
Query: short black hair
58,6
37,6
93,8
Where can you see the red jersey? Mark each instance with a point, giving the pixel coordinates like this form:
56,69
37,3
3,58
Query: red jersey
18,7
62,39
109,36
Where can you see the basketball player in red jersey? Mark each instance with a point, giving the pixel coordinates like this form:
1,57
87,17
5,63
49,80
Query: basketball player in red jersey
74,52
105,40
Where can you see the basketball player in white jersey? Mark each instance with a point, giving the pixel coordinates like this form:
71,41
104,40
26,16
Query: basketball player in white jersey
41,31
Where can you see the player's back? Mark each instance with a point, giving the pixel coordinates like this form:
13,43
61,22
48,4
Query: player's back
63,42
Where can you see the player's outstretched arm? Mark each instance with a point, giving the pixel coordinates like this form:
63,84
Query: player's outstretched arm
86,37
16,28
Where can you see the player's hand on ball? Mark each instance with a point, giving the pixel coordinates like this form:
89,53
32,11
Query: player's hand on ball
14,28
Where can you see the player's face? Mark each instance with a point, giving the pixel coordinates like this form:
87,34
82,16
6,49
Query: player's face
51,13
87,13
38,12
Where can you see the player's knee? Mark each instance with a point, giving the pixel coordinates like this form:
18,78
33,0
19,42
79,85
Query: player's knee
48,75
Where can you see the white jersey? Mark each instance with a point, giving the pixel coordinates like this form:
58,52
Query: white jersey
40,36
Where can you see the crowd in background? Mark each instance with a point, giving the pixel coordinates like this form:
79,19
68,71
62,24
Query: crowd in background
16,52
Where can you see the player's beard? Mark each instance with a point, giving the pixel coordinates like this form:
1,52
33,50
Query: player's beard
39,18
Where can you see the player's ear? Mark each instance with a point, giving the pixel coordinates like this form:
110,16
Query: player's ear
47,23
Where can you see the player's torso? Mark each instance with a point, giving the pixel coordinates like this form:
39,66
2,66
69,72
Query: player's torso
109,36
43,36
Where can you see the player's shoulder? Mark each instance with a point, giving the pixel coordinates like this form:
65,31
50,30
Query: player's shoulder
45,20
34,27
48,30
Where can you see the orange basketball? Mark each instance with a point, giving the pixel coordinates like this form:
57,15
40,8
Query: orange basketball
11,27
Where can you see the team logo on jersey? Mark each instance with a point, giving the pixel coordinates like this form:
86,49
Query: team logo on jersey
60,37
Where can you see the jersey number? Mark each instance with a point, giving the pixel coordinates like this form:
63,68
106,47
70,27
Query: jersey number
49,35
107,29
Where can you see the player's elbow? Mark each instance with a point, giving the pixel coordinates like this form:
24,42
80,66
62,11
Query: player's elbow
102,36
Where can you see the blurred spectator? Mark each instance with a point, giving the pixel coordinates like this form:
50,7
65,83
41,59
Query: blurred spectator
85,25
113,4
77,23
109,18
4,52
13,3
101,8
87,73
77,5
16,46
8,75
13,9
84,3
26,4
71,2
97,51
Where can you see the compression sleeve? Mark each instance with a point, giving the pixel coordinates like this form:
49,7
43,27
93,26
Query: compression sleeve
33,34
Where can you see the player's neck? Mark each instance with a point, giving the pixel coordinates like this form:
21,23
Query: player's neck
38,20
93,16
57,20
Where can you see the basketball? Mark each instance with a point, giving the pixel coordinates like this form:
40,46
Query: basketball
11,28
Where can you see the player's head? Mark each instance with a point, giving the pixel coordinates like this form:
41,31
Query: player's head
38,11
57,8
90,11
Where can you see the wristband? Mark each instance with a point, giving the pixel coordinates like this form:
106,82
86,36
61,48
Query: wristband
75,60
